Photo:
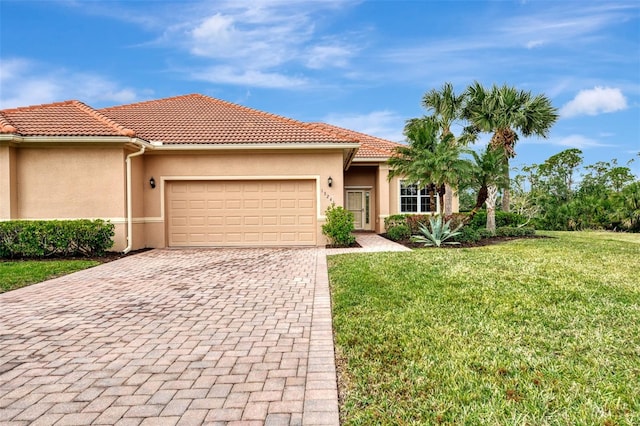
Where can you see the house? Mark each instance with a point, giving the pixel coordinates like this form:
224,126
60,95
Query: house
194,171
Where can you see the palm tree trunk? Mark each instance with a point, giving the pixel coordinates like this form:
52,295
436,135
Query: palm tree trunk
506,193
443,207
448,200
480,199
492,195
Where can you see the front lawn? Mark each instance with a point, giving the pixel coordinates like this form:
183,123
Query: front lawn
18,274
543,331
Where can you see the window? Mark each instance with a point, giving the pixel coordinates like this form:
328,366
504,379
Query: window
413,200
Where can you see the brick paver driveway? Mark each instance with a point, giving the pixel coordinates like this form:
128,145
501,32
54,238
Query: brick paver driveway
220,336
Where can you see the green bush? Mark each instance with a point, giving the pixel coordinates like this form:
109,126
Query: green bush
467,235
399,232
54,238
395,220
479,221
484,233
414,222
339,226
510,231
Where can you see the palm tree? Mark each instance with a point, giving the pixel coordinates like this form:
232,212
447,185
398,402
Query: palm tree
431,159
488,175
505,112
446,107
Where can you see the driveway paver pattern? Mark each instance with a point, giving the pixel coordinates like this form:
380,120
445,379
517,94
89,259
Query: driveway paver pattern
195,336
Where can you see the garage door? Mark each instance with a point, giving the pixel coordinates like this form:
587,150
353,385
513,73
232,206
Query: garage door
241,213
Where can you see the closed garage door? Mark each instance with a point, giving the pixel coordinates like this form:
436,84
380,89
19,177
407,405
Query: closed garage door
241,213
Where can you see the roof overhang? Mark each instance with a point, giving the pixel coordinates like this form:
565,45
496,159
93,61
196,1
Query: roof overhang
244,146
370,159
349,149
19,139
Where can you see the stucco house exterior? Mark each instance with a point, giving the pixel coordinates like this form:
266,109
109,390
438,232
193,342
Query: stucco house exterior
194,171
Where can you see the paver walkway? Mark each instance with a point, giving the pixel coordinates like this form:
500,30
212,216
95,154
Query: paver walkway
370,243
219,336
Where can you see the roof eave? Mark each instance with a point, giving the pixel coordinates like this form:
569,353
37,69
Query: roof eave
248,146
370,159
67,139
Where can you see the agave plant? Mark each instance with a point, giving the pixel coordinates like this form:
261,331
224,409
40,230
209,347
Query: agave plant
439,233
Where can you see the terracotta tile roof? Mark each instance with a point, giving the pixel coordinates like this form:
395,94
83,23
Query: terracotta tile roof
193,119
370,146
70,118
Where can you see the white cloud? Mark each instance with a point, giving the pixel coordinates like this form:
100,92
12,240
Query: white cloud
595,101
383,124
253,78
577,141
561,24
26,82
328,56
264,42
534,43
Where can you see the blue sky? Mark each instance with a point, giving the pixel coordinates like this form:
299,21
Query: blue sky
364,65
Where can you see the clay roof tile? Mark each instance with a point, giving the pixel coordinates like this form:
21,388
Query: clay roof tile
199,119
370,146
68,118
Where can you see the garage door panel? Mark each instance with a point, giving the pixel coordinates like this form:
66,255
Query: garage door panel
233,203
215,221
251,204
235,213
269,220
305,220
270,204
233,220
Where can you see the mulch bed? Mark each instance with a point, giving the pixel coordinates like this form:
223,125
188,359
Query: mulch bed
353,245
104,258
483,242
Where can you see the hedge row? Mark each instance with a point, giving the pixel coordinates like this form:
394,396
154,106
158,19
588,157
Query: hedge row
402,226
55,238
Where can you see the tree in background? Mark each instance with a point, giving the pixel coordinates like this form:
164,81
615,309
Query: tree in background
606,197
505,111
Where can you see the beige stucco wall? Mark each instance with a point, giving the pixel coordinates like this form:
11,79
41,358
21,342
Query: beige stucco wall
72,182
8,181
228,165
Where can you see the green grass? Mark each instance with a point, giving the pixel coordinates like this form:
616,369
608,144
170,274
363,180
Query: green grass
531,332
18,274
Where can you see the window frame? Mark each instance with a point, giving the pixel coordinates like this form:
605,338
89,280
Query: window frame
421,195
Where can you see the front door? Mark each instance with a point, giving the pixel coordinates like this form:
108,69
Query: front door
358,203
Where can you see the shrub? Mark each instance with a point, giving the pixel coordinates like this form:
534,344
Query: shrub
55,238
394,220
484,233
467,235
456,219
339,226
438,233
510,231
415,220
399,232
511,219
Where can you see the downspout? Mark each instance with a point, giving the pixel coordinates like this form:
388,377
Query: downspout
129,197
